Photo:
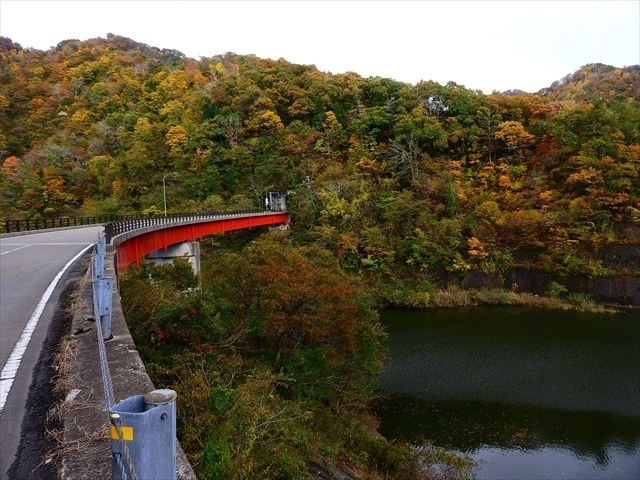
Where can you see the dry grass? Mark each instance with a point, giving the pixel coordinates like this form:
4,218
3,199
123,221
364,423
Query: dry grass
63,380
77,303
452,297
63,383
85,440
455,297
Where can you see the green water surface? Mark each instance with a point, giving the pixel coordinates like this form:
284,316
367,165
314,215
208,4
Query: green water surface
528,393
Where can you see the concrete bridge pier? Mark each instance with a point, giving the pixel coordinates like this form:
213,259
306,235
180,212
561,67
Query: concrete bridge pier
188,250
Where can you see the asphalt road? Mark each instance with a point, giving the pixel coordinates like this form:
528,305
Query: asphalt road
29,266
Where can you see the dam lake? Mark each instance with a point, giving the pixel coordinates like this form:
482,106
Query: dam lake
527,393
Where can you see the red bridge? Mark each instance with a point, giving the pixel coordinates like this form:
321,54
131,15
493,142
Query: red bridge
134,239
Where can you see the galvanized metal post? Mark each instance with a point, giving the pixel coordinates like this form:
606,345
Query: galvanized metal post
103,289
97,265
98,258
143,432
101,246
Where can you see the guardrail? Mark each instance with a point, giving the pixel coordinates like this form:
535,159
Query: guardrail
142,427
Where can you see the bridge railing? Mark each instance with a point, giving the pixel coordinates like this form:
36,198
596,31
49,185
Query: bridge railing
116,228
28,224
114,224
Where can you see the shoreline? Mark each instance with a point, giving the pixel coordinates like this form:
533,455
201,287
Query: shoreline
455,297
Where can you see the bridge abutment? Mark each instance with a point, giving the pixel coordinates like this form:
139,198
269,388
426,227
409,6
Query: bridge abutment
188,250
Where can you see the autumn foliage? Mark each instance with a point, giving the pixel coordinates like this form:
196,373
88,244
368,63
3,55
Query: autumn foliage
403,176
274,357
409,174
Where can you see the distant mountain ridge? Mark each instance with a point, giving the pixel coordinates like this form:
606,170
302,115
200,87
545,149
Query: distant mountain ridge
594,74
597,80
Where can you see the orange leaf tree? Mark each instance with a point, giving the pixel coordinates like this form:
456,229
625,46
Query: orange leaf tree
294,306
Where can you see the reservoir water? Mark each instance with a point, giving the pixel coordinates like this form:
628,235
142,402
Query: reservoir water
526,393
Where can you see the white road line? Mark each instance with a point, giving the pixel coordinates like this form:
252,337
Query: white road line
19,248
10,369
44,244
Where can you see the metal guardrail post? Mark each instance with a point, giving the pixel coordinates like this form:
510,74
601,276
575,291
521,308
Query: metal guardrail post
97,266
101,246
143,431
103,290
97,259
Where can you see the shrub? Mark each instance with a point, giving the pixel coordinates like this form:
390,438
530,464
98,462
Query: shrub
581,300
556,290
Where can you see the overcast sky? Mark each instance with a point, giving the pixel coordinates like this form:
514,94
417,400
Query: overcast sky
480,44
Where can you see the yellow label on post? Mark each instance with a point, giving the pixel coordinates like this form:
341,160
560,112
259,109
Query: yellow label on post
127,433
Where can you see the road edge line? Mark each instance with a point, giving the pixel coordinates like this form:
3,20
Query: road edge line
10,369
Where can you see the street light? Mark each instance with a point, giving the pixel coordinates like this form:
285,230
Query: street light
164,191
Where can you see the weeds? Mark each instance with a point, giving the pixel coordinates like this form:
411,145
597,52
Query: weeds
63,380
455,297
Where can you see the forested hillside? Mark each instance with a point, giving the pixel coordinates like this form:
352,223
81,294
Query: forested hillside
409,183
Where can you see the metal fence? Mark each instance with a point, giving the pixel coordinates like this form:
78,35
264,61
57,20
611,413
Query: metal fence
142,427
24,225
116,224
115,228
